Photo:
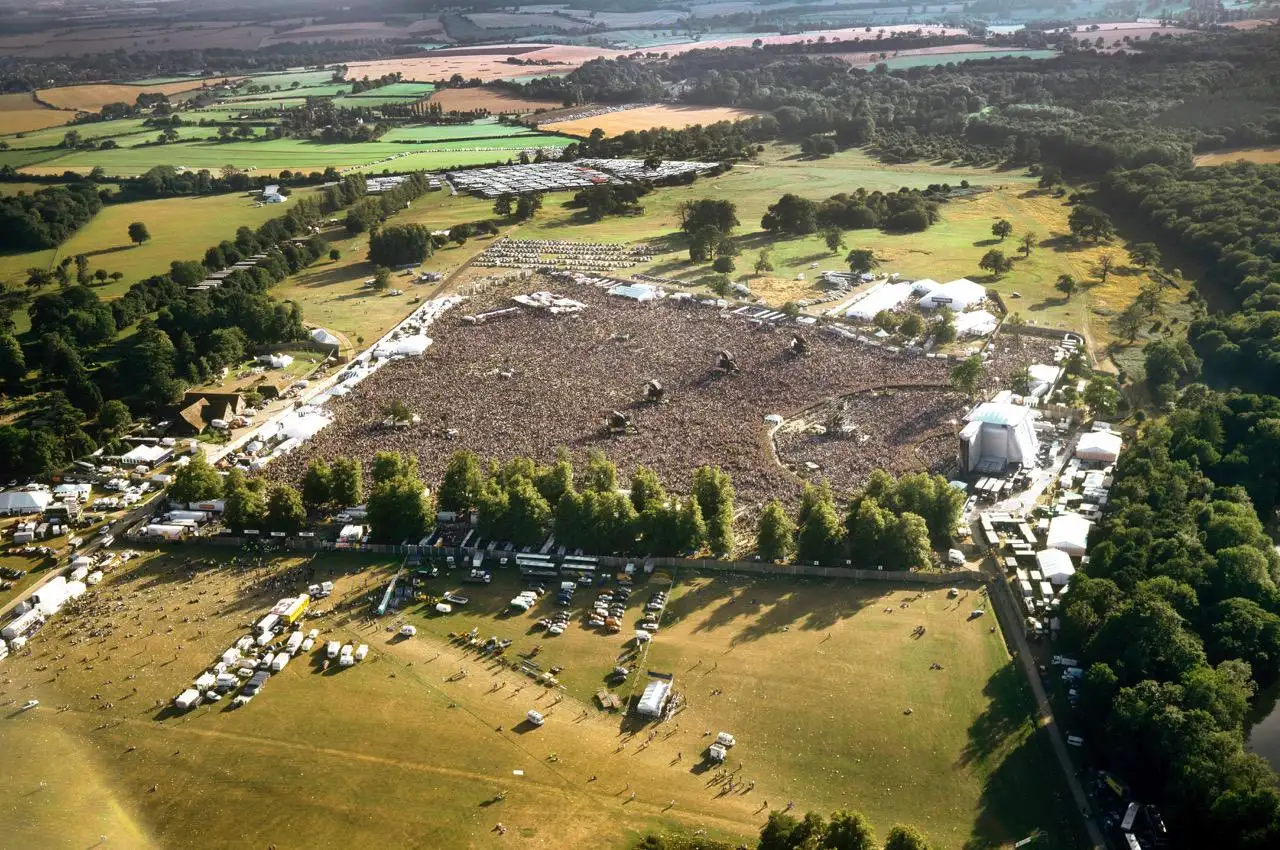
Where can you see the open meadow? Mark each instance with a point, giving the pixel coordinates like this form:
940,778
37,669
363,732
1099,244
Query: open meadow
813,678
181,229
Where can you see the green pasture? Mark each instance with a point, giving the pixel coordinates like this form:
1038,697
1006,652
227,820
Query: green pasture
17,188
52,136
900,63
287,78
414,90
325,90
181,229
371,100
443,132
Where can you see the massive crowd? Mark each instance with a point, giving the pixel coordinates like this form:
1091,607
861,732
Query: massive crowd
533,382
551,253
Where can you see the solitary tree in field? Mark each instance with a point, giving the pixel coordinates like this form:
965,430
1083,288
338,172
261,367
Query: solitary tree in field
138,233
1001,229
381,277
335,254
861,260
834,237
764,262
1149,298
1028,241
502,206
1105,264
995,262
1066,285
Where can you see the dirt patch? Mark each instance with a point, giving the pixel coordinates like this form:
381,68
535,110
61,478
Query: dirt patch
496,102
650,117
1268,155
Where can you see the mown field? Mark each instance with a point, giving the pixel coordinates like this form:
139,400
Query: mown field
439,132
898,63
812,678
92,97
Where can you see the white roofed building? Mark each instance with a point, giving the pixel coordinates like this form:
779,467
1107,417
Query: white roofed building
956,295
654,698
24,501
1099,446
1070,533
1055,565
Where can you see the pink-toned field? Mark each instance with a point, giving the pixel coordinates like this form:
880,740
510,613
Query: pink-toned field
496,102
648,118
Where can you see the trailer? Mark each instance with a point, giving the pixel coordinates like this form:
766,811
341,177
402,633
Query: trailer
187,700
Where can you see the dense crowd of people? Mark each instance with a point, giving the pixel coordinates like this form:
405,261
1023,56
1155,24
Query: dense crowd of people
532,383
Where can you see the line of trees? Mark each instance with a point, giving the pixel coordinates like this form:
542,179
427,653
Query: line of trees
843,830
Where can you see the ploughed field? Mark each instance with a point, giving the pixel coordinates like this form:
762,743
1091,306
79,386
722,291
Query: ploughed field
565,374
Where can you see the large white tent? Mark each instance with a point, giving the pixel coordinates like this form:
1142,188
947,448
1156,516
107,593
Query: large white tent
654,698
1070,533
1055,565
886,296
956,295
1099,446
24,501
323,337
976,323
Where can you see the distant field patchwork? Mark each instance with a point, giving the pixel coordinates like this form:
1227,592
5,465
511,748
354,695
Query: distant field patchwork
648,118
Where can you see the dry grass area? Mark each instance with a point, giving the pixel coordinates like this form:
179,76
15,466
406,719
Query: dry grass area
466,100
486,63
812,678
19,113
91,98
650,117
1267,155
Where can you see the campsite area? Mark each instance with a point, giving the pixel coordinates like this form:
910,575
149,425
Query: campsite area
814,679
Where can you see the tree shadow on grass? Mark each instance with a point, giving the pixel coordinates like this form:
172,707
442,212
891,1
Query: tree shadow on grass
1023,793
762,607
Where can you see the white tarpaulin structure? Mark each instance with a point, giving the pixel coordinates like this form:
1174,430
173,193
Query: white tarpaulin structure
323,337
1042,378
998,434
303,423
886,296
1070,533
957,295
976,323
405,346
1055,565
276,361
636,291
654,698
1100,446
24,501
144,454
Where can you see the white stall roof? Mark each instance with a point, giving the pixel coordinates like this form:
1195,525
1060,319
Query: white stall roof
957,295
24,501
145,454
1070,533
976,323
887,296
303,423
1055,565
1101,446
635,291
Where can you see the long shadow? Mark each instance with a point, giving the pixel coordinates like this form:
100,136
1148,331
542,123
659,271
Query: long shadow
1023,793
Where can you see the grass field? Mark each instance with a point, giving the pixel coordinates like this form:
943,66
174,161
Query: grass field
288,78
1269,155
19,113
813,679
442,132
898,63
650,117
181,229
15,188
98,130
412,90
322,90
91,98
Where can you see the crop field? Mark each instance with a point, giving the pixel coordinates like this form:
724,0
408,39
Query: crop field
1269,155
649,118
442,132
15,188
192,35
19,113
440,65
371,100
469,99
323,90
812,678
181,229
91,98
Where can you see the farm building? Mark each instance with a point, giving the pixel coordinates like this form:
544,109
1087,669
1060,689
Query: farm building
654,699
997,434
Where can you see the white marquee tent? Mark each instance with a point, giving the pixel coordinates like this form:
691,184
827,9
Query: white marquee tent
956,295
1099,446
24,501
1070,533
1055,565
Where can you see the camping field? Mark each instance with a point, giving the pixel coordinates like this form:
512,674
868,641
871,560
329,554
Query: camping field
813,678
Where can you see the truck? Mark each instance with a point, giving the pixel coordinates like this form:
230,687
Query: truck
257,683
187,700
295,641
331,649
478,577
279,662
347,657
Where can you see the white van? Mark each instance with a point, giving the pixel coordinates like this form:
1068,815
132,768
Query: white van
362,651
279,662
347,658
332,648
1075,740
